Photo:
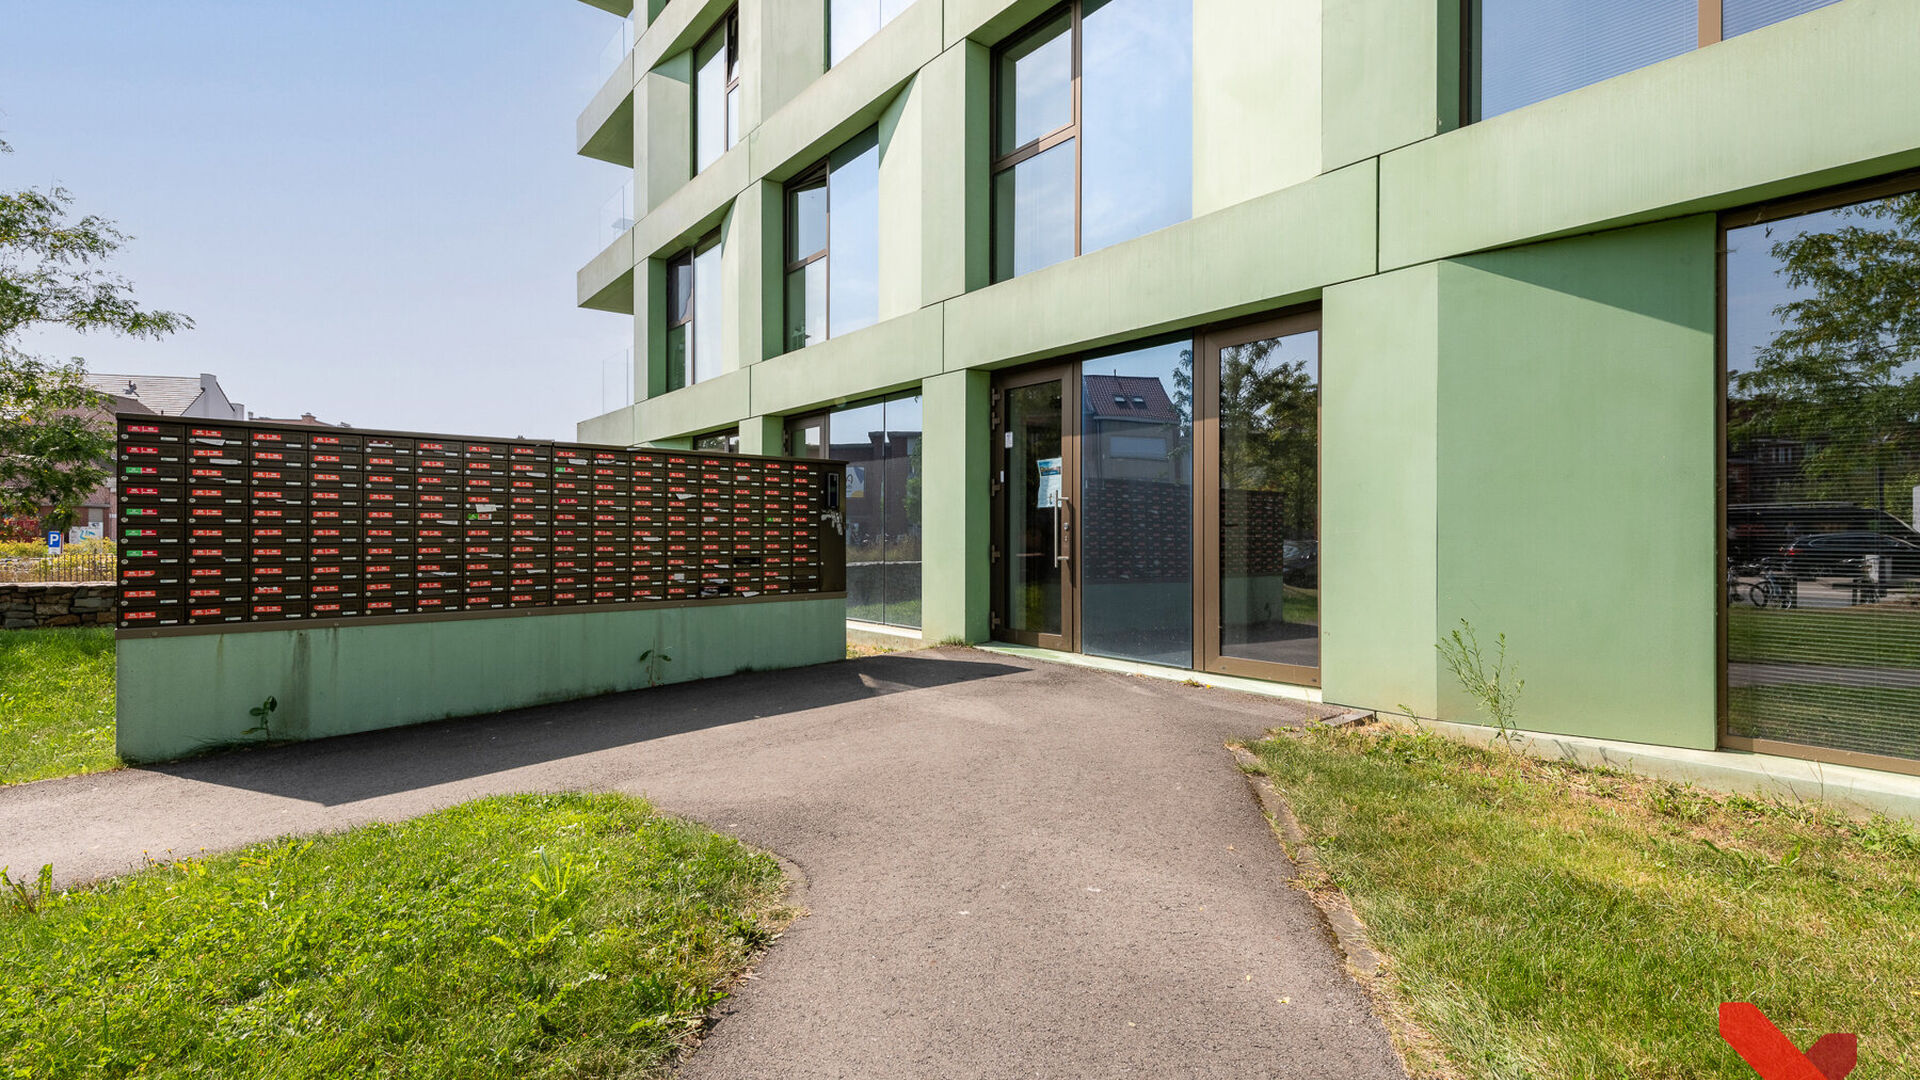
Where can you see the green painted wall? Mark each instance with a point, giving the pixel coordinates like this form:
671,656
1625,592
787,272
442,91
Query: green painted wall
180,695
1380,372
1575,494
954,507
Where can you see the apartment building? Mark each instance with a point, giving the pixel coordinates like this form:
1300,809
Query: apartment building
1274,338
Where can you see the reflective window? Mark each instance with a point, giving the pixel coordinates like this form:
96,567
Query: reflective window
1822,472
716,89
1075,172
1740,16
880,441
1136,119
1136,515
1269,500
722,442
1525,51
833,245
693,321
851,22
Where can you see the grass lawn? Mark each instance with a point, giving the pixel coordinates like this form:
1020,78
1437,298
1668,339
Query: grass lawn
56,702
1867,636
551,936
1547,921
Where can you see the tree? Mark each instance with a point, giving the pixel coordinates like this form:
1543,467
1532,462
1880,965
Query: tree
51,274
1839,380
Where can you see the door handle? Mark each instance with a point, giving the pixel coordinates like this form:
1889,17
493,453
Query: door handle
1062,545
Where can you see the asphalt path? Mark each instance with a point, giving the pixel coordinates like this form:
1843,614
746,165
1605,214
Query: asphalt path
1010,869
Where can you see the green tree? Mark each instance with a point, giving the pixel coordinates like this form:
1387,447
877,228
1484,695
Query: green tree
1839,377
52,452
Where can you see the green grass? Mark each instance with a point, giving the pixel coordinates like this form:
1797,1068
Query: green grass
56,702
526,936
1868,636
904,613
1864,719
1545,921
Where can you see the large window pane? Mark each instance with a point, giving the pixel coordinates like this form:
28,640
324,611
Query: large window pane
1740,16
1531,50
1035,92
677,357
706,314
679,290
1823,463
858,437
1136,514
1033,499
807,305
709,100
1136,118
806,219
853,249
849,24
900,521
1270,499
1033,213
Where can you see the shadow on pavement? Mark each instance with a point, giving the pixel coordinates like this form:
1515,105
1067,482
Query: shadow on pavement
350,768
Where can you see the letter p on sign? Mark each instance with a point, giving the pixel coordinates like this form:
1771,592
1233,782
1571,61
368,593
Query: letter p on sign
1774,1056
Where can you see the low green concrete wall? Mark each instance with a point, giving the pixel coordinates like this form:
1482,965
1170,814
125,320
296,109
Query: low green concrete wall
184,693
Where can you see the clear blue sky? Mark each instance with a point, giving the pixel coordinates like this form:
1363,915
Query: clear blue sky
372,208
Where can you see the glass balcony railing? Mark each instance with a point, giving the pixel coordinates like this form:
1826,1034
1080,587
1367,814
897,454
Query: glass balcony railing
616,217
616,381
619,45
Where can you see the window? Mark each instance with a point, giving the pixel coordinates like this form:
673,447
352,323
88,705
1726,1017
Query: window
833,245
719,442
716,92
1525,51
1822,598
880,441
1093,130
693,315
851,22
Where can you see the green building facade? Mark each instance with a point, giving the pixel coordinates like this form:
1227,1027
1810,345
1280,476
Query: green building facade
1276,337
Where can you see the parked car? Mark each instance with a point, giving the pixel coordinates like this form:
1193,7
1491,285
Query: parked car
1300,562
1844,554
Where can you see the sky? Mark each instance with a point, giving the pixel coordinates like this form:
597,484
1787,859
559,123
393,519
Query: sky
371,209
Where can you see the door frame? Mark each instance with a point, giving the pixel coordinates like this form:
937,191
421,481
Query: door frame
1067,373
1206,485
801,421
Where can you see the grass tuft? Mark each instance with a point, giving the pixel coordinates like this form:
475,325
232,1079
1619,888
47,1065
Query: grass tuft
1545,920
56,703
552,936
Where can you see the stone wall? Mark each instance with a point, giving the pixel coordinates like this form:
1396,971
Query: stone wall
28,605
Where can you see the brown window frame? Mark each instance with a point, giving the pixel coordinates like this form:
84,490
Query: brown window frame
729,25
1070,130
1904,183
685,258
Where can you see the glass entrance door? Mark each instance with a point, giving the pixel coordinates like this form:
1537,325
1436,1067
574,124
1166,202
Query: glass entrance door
1258,390
1036,480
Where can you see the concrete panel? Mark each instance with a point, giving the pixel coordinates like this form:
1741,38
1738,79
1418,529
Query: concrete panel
987,21
955,512
662,115
847,99
701,407
621,427
604,129
1577,469
881,357
763,435
1380,356
784,47
694,210
1764,114
606,283
1389,75
1256,98
902,210
678,27
1273,249
180,695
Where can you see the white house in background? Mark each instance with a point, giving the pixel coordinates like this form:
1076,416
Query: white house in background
173,395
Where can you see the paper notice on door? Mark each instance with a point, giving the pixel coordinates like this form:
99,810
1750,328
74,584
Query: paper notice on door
1048,492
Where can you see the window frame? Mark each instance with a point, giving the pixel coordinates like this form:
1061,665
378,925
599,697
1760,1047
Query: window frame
999,162
1791,206
728,26
820,173
669,324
